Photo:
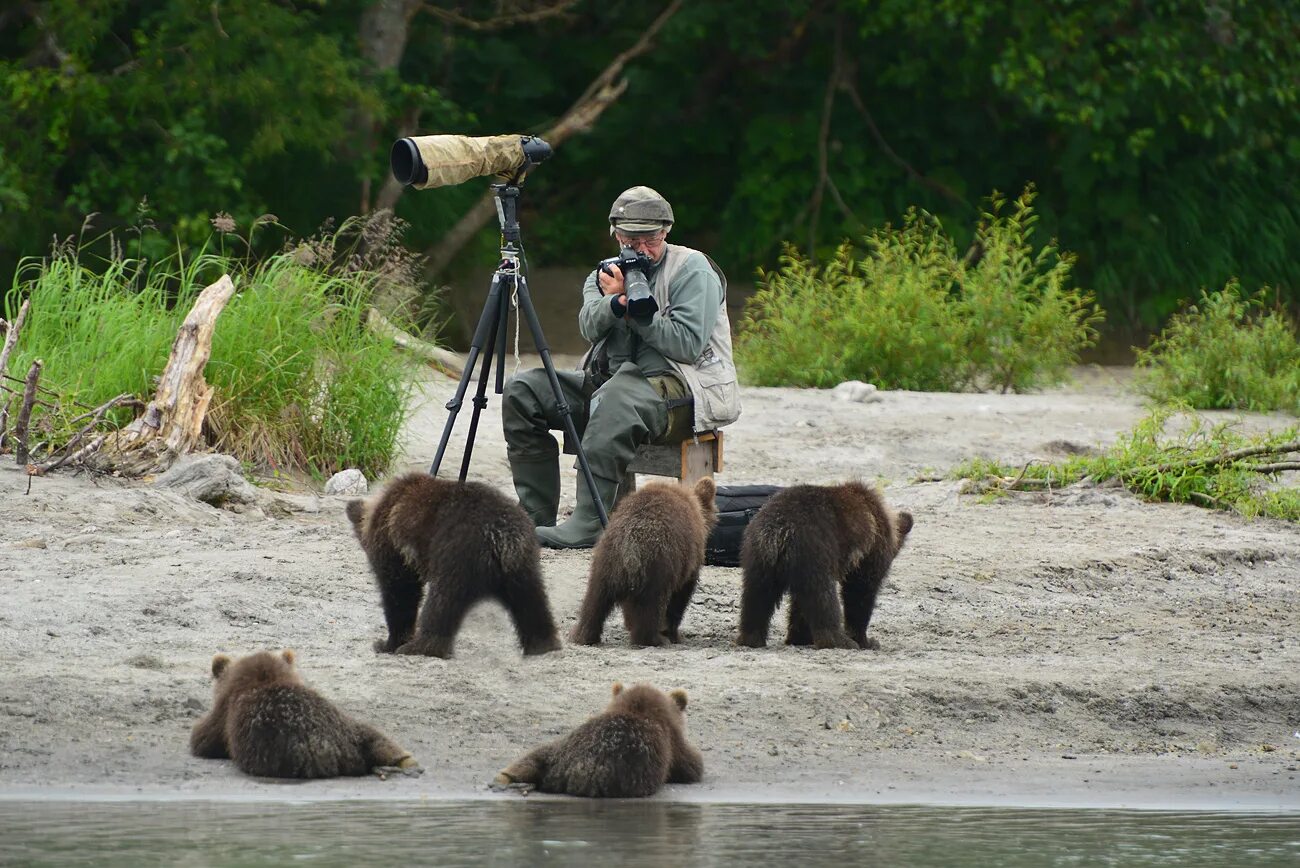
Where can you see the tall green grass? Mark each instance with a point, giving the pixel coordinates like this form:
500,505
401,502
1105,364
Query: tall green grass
912,313
299,382
1229,351
99,333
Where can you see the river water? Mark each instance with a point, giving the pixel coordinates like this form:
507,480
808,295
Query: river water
523,831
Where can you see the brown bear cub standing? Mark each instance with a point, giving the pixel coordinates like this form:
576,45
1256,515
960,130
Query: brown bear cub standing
631,749
272,725
830,546
464,541
649,561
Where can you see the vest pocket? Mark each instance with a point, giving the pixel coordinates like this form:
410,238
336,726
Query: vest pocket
720,402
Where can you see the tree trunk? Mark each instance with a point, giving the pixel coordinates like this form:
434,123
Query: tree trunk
383,31
172,423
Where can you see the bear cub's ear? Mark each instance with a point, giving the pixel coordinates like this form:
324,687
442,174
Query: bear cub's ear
904,524
618,687
356,510
679,697
219,664
288,656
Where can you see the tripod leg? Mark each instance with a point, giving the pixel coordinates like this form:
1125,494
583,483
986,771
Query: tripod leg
529,313
487,324
480,393
503,331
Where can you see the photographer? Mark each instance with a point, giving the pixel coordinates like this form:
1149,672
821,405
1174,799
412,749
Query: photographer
659,368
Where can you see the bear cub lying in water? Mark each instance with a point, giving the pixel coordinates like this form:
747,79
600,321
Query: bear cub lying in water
631,749
273,725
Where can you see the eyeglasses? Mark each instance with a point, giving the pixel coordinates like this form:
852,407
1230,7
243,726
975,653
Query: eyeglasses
637,242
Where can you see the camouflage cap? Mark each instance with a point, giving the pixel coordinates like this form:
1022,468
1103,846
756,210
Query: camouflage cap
640,209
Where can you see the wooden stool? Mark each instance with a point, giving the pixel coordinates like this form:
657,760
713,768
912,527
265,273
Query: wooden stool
688,461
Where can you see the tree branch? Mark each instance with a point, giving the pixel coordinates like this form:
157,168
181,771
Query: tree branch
1276,467
823,137
96,416
1225,458
941,189
500,22
603,91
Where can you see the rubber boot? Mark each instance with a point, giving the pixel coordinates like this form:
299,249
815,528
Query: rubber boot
537,482
582,529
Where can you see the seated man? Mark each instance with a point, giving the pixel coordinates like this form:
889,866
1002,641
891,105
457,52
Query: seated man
646,379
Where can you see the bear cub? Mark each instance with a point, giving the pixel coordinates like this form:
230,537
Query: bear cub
830,547
273,725
452,544
631,749
648,560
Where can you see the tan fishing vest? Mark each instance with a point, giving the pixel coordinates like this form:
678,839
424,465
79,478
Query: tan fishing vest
712,376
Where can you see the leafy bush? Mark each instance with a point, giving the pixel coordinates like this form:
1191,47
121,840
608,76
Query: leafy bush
1231,351
299,382
911,313
1210,465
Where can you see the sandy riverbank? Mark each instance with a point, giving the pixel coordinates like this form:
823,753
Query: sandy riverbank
1080,648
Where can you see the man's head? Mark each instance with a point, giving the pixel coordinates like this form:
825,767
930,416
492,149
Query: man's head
640,218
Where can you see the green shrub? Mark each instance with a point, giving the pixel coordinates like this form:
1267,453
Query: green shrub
299,383
910,313
1230,351
1024,326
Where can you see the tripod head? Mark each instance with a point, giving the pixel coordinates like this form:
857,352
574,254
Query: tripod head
507,201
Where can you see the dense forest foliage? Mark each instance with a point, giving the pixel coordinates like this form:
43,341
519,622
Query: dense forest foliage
1163,136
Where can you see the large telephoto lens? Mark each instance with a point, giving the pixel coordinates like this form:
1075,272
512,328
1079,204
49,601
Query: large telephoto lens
407,166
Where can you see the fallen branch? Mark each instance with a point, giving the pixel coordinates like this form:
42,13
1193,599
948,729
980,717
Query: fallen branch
1224,458
1276,467
444,360
1008,483
96,416
71,458
98,412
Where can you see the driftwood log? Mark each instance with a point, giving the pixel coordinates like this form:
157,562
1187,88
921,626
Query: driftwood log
25,412
11,336
444,360
172,423
73,451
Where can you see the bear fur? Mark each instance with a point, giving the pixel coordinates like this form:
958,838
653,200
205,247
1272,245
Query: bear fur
273,725
452,544
648,560
631,749
830,546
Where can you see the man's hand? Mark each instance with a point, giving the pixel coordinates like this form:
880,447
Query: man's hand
611,284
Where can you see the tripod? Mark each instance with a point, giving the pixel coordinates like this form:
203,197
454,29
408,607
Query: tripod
508,283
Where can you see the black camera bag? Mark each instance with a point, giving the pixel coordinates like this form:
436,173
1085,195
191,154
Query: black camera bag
737,505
